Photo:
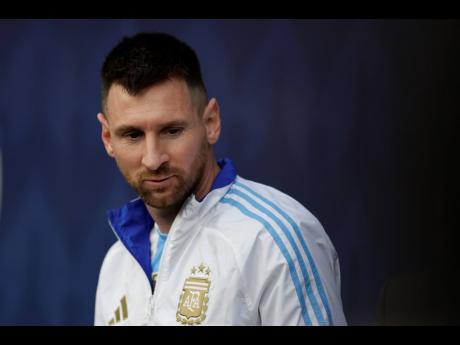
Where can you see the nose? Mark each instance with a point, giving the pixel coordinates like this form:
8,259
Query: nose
153,156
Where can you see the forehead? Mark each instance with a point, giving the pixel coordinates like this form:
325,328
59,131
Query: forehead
170,100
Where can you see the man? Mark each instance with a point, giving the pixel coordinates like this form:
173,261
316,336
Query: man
201,245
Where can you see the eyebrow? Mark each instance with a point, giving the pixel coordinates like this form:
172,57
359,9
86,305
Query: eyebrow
174,123
120,131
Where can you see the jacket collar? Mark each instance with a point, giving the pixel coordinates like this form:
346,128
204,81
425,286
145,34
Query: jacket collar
132,222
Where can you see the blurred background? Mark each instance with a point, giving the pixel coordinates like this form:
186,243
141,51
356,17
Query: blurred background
356,119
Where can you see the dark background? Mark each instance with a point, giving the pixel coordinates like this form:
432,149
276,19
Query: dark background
357,119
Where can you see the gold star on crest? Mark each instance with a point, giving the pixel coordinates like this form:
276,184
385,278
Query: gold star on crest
193,270
202,268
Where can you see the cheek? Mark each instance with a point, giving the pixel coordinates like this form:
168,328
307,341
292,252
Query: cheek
188,152
128,159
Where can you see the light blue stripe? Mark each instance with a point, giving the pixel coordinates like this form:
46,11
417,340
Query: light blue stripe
310,294
283,249
302,242
159,251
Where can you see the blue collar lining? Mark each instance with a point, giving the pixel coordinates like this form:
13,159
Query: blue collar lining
132,222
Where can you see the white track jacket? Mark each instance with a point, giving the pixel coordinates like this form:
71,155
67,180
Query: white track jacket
247,254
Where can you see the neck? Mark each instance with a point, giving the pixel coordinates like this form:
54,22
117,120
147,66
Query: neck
210,172
165,217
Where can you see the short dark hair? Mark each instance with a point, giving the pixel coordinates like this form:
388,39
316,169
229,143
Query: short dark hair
146,59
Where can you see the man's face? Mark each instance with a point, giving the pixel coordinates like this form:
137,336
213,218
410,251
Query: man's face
159,141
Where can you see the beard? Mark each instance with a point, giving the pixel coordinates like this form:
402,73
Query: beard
183,185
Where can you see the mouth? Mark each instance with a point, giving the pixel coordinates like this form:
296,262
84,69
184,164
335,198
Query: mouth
157,182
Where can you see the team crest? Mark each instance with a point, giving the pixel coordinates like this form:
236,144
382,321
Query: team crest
193,301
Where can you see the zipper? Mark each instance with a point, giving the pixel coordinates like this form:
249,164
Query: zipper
150,310
154,288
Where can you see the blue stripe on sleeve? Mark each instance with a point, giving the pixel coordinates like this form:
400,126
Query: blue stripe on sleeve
310,294
283,249
302,242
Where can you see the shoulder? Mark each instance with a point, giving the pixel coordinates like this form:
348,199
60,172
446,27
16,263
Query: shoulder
276,199
266,214
264,203
116,251
117,257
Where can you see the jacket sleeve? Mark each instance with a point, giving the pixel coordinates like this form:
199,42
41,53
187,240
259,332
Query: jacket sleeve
302,281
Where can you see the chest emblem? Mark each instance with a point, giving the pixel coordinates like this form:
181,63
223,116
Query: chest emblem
193,301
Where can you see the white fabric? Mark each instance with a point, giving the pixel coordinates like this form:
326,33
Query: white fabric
251,282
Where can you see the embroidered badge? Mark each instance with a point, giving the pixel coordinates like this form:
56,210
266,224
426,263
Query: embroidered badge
193,301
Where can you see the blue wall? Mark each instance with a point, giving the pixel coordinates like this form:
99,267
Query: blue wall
352,118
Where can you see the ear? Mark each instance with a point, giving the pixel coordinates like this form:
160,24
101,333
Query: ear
105,134
211,119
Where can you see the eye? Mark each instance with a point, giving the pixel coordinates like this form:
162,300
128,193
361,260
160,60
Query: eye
174,131
133,135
